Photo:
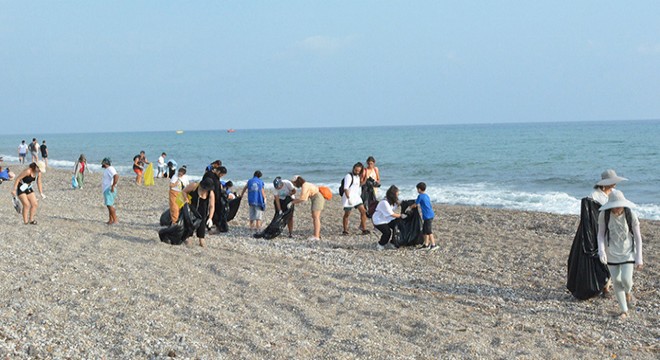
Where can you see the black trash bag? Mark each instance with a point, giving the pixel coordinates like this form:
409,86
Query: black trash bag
220,217
586,276
409,230
369,196
234,204
274,229
166,218
188,222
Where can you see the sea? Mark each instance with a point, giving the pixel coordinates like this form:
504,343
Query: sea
546,167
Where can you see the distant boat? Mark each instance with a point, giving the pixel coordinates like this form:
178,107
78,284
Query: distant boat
179,131
231,130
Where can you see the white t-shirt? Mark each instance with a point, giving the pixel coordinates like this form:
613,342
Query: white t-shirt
285,191
355,190
383,213
108,176
161,161
185,180
22,149
174,180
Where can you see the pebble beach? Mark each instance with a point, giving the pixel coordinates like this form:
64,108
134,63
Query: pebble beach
73,287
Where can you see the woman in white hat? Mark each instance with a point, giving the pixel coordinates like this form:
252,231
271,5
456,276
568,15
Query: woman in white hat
618,248
603,188
25,193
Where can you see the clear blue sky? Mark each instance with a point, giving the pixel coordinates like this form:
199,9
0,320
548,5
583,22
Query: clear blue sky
88,66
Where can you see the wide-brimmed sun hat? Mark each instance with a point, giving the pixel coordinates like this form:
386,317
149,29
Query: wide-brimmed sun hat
609,177
616,200
42,166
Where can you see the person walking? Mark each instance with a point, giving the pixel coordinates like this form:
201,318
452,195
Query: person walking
352,199
44,152
109,185
256,199
23,189
34,150
620,246
79,170
22,152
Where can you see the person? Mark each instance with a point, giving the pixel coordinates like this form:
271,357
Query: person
370,172
44,152
161,165
171,168
605,186
423,201
228,189
138,166
620,246
79,170
214,165
23,189
5,174
34,150
309,191
385,219
185,180
109,186
202,201
256,199
352,199
176,185
22,152
283,193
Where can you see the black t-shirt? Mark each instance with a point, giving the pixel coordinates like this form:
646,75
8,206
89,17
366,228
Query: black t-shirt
44,153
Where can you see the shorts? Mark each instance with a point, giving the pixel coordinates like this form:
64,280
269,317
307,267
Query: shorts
22,156
427,228
349,208
137,170
318,201
35,154
256,214
109,197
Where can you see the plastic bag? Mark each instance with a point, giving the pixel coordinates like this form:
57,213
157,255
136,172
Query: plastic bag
74,182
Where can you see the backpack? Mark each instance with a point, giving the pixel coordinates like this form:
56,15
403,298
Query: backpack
341,185
628,214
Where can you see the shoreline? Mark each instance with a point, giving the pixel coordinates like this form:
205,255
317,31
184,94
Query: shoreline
75,287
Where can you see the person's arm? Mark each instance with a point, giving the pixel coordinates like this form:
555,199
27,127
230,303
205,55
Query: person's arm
243,191
75,168
278,207
304,195
639,262
363,176
263,195
601,239
211,205
377,175
115,180
348,179
40,186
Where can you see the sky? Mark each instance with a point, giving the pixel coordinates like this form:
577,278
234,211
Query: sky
101,66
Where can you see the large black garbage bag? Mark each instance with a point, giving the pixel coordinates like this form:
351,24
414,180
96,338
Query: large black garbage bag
234,204
369,196
166,218
188,222
274,229
410,228
220,217
586,275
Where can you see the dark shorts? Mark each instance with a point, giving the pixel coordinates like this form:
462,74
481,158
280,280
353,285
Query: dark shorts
427,228
353,207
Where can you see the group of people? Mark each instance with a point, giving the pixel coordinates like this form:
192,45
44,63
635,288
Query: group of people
35,151
619,240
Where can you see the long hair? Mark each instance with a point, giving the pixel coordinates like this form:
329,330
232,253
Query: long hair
391,195
299,182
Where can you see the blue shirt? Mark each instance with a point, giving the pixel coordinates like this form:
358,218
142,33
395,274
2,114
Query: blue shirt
255,193
424,202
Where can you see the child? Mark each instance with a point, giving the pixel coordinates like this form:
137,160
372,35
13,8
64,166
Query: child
424,203
256,199
620,246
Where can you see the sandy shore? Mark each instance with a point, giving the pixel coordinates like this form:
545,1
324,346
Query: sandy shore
73,287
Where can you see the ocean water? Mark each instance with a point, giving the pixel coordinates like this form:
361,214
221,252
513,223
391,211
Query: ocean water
544,167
